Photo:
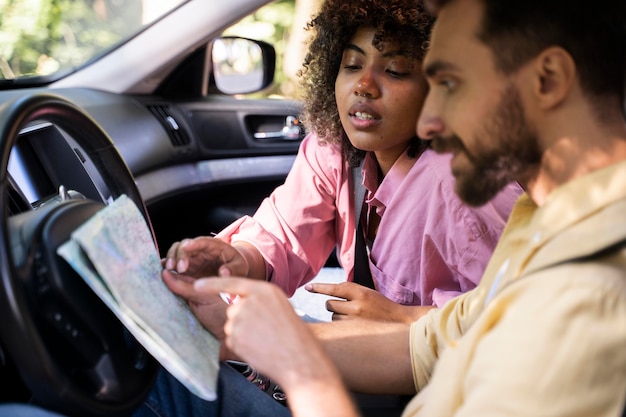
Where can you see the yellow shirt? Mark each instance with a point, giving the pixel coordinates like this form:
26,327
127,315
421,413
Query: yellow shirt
544,333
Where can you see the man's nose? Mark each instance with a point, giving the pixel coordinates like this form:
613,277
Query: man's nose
428,125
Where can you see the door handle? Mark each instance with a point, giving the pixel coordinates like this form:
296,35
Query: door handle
291,131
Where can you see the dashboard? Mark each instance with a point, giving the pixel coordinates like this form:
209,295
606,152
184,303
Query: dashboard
206,173
45,158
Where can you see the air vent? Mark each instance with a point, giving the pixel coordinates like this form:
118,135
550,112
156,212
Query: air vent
176,132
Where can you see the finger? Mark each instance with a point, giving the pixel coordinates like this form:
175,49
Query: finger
208,299
339,317
196,244
182,286
170,257
224,271
239,286
207,255
183,252
338,306
171,252
174,275
179,253
177,256
327,289
176,282
235,265
346,290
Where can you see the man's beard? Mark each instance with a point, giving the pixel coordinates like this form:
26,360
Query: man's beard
516,155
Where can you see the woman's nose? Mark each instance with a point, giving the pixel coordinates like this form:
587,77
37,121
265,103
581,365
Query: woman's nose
366,86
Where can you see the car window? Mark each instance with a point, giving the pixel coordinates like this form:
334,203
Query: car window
43,38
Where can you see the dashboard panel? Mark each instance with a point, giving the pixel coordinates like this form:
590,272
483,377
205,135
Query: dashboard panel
44,158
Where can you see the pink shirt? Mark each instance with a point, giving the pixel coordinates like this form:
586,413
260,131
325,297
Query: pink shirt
430,246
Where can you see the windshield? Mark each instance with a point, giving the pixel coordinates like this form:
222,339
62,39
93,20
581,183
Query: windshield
52,37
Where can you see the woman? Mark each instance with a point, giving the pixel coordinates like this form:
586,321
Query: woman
362,90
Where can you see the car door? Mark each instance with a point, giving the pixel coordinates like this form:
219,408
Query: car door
231,150
231,154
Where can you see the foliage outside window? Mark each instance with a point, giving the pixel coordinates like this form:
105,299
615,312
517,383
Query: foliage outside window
44,37
48,38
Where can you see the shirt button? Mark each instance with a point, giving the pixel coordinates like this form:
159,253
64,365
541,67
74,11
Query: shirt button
537,237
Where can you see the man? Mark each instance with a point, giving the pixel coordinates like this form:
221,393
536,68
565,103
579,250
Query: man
519,90
527,90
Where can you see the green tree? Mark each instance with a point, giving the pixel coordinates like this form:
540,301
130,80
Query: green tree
40,37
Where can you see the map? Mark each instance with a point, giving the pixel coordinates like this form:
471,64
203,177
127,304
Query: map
115,254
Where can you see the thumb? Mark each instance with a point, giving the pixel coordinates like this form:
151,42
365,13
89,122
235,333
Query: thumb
239,286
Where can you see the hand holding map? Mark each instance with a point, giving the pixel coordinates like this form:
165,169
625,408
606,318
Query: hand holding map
115,254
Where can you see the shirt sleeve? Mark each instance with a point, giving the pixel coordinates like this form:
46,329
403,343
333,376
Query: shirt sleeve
295,228
438,329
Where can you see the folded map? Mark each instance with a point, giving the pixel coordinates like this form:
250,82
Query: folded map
115,254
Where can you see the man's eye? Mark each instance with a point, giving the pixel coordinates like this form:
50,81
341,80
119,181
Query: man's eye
448,84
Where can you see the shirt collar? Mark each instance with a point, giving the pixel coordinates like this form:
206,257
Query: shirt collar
379,196
580,198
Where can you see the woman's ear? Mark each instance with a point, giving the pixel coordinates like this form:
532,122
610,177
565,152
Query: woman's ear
555,74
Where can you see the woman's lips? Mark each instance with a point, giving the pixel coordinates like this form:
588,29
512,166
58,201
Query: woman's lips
363,116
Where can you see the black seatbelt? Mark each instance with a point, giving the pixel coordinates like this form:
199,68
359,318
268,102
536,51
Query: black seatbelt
362,272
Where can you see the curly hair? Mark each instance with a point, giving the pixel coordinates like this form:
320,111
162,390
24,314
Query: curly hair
404,22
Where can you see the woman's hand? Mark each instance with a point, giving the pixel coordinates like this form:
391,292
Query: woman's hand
205,256
359,302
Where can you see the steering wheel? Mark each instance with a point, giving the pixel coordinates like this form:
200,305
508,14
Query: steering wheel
71,352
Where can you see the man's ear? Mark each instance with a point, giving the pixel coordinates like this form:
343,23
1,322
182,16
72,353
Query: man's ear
555,74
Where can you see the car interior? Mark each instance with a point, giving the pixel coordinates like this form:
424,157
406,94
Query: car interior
185,106
164,115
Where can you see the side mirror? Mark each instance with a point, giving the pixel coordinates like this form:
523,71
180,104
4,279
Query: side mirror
241,66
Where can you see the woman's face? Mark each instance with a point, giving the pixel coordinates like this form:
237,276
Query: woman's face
379,96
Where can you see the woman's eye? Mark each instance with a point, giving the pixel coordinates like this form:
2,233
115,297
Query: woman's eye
398,74
351,67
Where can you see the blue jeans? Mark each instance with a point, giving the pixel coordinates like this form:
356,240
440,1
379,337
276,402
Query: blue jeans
25,410
236,397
